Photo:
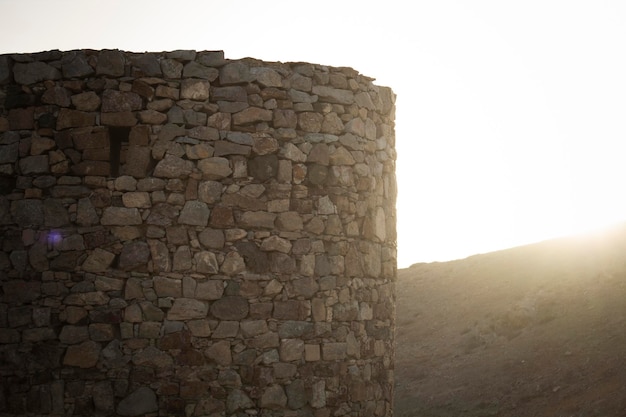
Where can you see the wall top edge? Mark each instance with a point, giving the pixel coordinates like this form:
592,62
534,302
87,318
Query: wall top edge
214,58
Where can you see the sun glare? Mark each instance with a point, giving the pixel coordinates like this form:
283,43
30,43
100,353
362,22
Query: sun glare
509,118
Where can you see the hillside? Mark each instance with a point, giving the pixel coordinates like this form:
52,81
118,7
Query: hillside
538,330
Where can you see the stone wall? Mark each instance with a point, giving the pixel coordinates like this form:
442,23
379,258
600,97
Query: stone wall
188,235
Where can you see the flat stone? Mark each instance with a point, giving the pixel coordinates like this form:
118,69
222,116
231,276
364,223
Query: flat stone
168,287
204,133
264,144
290,329
68,118
238,400
252,328
142,161
187,308
210,192
267,77
38,335
103,283
276,243
223,148
177,235
119,119
182,259
211,58
55,213
291,350
120,216
28,213
195,89
220,353
230,308
98,261
9,153
125,183
110,63
334,95
134,255
83,355
206,262
101,332
153,357
74,65
103,397
263,167
296,394
252,115
173,167
86,214
215,168
41,145
171,68
33,72
56,95
209,290
273,397
318,394
332,124
289,221
141,401
37,257
233,264
139,199
257,219
152,117
196,70
160,256
222,217
195,213
87,298
306,287
34,165
226,329
120,101
310,122
146,65
334,351
235,73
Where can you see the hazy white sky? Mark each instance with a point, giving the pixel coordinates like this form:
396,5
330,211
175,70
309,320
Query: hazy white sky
511,115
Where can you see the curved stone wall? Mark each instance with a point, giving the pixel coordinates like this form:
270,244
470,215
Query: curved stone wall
188,235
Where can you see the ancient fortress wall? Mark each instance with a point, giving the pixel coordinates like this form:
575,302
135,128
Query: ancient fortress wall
187,235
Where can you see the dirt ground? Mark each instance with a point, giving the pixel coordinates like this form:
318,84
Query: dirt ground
538,330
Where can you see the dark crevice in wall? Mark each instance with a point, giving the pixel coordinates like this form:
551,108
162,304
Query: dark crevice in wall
117,137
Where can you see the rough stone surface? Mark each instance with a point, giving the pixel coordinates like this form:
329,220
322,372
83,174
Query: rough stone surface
138,403
184,234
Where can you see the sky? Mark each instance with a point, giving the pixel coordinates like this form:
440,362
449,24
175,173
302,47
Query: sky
510,115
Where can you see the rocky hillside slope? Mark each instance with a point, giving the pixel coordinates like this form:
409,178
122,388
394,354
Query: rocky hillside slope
538,330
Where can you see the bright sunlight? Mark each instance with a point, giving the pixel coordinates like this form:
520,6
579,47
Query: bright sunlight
509,114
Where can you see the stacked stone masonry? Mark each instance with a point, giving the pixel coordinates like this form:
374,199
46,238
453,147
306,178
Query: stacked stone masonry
187,235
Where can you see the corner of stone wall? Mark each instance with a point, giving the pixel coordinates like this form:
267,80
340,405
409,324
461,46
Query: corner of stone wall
184,234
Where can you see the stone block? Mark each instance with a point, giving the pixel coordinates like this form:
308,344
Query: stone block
98,261
120,216
139,402
83,355
33,72
291,350
334,351
195,89
230,308
186,308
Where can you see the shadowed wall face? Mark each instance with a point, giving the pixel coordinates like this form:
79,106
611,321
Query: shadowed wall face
184,234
